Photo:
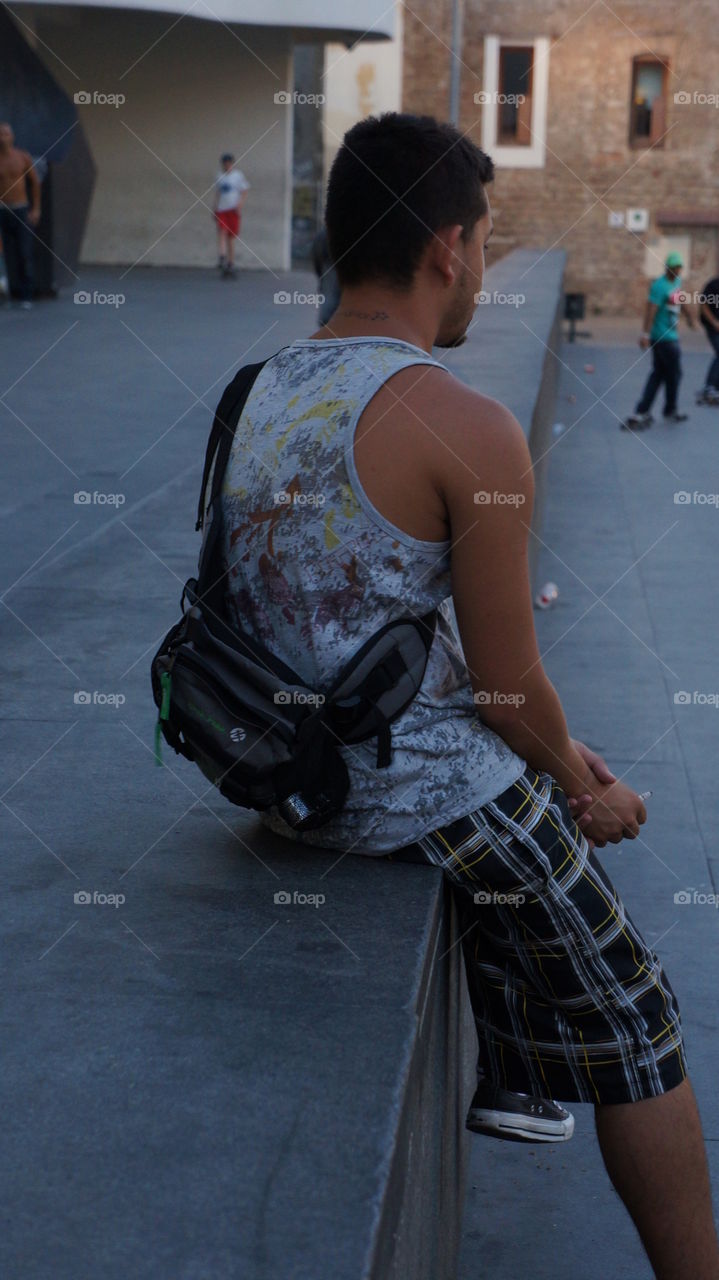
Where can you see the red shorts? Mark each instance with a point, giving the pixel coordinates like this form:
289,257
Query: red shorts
229,221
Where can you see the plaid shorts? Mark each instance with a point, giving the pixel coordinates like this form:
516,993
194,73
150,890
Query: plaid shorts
568,1000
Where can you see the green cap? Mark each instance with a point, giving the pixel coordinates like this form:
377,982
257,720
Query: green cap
674,259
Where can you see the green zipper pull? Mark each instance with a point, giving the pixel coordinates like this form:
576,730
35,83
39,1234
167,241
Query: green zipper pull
163,714
165,682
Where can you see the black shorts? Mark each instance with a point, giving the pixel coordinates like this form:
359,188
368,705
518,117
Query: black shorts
568,999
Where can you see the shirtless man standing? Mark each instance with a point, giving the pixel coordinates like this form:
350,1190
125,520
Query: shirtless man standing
18,214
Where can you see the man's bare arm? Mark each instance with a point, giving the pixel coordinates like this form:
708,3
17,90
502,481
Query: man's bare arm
34,182
492,595
650,312
487,454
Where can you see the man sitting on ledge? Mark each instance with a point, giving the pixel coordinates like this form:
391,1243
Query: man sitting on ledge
416,493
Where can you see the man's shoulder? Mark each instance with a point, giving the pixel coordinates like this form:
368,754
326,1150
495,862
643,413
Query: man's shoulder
464,424
454,403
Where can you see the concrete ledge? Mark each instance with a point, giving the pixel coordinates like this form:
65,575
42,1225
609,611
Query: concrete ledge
420,1224
217,1085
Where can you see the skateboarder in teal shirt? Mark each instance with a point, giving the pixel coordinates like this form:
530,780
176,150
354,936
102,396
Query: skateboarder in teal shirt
661,317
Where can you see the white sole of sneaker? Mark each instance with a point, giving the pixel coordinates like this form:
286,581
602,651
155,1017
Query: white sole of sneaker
498,1124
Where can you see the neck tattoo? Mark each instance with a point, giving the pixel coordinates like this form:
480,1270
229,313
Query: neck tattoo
365,315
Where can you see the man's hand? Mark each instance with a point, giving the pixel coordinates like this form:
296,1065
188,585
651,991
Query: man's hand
644,341
602,773
33,217
614,813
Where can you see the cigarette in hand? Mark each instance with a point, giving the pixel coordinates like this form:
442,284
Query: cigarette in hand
644,795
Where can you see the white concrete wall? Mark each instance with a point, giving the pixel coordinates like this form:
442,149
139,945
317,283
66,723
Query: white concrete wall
192,90
364,81
344,18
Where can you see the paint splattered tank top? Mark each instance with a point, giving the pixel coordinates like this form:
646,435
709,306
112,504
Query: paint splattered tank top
315,570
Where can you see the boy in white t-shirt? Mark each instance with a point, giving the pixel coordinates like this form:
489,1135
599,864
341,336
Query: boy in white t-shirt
231,187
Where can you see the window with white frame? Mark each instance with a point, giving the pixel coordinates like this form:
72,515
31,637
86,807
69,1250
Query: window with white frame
514,101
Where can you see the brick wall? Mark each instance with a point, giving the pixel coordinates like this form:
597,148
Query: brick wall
590,167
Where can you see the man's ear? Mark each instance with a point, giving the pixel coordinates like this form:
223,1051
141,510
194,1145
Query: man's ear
443,252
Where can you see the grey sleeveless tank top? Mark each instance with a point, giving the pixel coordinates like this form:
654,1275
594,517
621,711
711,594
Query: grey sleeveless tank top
315,570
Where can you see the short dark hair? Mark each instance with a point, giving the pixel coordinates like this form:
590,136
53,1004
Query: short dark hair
395,181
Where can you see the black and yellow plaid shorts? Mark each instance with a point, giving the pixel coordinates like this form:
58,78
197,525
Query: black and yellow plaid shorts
568,999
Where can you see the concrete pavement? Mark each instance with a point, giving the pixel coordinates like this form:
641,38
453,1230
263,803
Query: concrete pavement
636,624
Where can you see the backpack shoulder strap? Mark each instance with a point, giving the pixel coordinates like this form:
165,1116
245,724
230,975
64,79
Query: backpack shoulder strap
227,416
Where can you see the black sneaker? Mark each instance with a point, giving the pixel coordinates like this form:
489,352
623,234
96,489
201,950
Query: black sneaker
677,416
637,422
518,1117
